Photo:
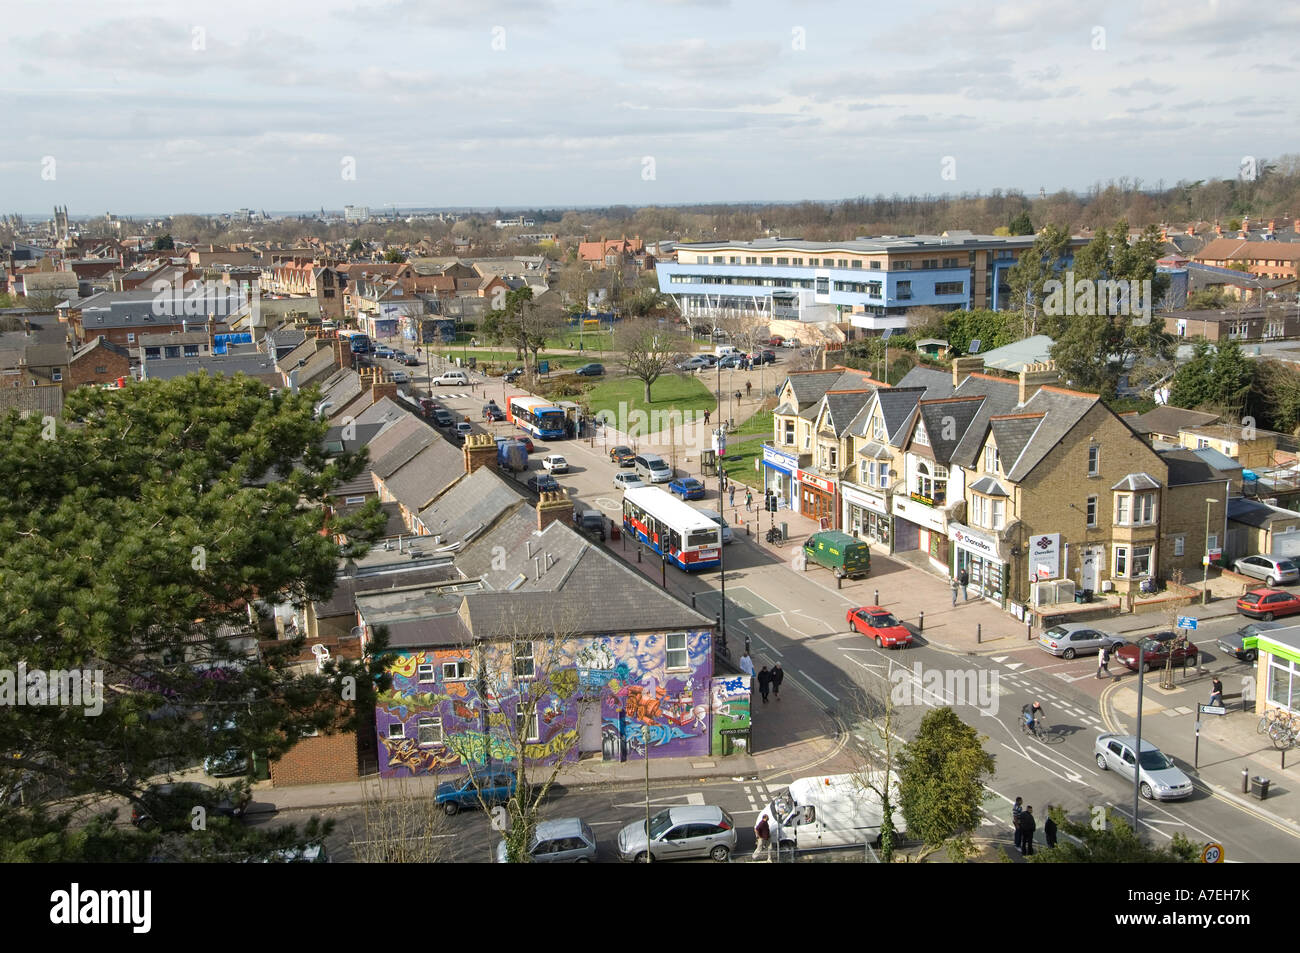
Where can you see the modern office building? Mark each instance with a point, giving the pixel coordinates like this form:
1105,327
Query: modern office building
869,282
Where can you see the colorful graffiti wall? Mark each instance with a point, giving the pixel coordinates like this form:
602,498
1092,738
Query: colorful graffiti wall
631,692
730,715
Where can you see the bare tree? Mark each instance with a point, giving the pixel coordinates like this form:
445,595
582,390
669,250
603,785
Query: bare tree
875,767
400,824
647,350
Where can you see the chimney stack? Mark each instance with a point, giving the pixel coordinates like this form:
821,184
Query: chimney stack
552,505
481,451
382,388
1034,376
1271,229
1191,231
964,367
1218,230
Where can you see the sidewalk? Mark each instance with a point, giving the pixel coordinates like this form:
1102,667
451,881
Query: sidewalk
1230,746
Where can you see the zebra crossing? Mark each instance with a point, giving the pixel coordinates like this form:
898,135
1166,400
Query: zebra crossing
451,396
1022,682
758,796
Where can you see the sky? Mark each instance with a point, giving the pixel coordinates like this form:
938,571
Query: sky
165,107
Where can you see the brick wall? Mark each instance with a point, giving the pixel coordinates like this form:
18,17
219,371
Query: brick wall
83,370
319,760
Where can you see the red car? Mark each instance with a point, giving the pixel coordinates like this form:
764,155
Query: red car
1156,648
1267,603
877,623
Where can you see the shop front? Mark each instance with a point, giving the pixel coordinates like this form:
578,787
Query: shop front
779,469
977,554
817,499
918,526
866,516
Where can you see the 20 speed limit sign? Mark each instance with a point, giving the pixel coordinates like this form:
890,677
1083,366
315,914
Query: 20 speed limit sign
1212,854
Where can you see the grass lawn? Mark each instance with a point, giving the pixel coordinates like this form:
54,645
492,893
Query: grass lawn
739,461
671,392
758,424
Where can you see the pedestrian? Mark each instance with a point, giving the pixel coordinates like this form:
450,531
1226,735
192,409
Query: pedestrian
778,676
1216,692
737,396
731,495
1027,828
964,579
953,585
764,682
706,417
749,500
749,386
1049,828
762,837
1103,661
747,665
1016,810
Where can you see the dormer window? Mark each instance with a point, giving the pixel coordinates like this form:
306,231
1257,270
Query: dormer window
920,436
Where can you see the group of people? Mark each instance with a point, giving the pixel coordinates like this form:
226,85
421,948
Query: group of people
1024,827
961,580
768,680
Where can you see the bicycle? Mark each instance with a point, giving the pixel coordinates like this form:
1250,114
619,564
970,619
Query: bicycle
1271,717
1034,727
1284,732
775,536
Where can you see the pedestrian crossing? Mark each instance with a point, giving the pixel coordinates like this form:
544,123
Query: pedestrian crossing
451,396
758,796
1053,702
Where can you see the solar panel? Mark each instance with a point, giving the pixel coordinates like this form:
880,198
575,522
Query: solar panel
975,345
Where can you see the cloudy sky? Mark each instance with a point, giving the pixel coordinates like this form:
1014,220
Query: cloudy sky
154,106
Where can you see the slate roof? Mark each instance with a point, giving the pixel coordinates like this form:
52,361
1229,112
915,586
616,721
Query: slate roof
1189,466
43,400
1257,514
812,386
398,444
875,451
1062,410
385,411
362,434
1137,481
989,487
1012,434
843,407
936,383
46,346
896,406
342,387
936,416
1001,397
426,475
1013,357
470,506
99,344
1169,420
260,366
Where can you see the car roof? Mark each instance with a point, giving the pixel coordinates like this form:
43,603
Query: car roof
561,827
1129,741
684,814
1265,591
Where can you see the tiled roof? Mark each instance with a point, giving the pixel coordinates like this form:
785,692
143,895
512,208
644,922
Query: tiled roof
989,487
398,444
470,506
936,383
1137,481
427,474
948,417
843,407
1062,410
1170,420
1188,467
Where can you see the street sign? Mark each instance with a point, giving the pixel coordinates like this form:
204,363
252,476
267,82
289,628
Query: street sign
1212,709
1187,622
1212,854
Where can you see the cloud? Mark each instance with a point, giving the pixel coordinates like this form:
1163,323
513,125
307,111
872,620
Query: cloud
1143,86
698,59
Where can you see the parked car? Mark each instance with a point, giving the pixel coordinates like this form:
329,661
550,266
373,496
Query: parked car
309,854
623,456
511,376
400,377
1076,638
775,341
679,832
543,483
555,463
1234,643
1155,649
652,468
1267,604
688,488
764,357
1158,777
565,841
492,412
384,353
232,760
462,793
793,342
526,440
442,417
710,359
1274,570
410,360
454,378
727,535
463,430
427,406
731,360
878,623
692,364
169,806
590,370
589,521
625,481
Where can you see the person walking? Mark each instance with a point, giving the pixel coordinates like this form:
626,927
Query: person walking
706,417
747,665
1216,692
749,500
1049,829
953,586
762,837
764,682
1103,661
964,579
1016,810
1027,828
749,386
731,495
778,676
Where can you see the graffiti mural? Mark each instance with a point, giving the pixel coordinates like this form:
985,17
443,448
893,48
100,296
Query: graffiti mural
653,691
730,698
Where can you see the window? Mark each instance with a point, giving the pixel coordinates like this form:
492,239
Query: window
856,263
526,725
56,376
796,261
979,510
102,369
931,486
1121,510
456,671
1180,543
1141,561
949,287
397,730
883,473
130,337
677,655
789,433
999,514
1212,542
524,660
429,731
876,265
920,436
1094,460
807,438
353,500
842,262
717,259
767,260
904,290
866,473
1144,509
990,459
1121,561
1092,511
424,673
823,286
814,262
877,428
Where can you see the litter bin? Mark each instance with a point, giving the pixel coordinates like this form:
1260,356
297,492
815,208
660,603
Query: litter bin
785,530
1259,787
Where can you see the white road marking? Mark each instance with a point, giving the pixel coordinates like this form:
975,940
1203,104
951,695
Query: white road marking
822,687
1014,665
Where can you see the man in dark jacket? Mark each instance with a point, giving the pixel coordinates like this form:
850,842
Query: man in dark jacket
778,676
764,682
1049,828
963,579
1027,828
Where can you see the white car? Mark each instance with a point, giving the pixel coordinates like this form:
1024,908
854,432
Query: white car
400,377
456,378
627,480
555,463
1160,779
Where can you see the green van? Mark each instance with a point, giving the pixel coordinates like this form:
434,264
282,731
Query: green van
839,552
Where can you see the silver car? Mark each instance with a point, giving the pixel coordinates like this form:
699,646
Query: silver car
566,841
714,515
1158,780
680,832
1274,570
1077,638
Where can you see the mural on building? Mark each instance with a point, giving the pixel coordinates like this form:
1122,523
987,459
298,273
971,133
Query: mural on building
642,703
731,713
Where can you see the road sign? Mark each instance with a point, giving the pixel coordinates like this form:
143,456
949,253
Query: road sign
1212,854
1212,709
1187,622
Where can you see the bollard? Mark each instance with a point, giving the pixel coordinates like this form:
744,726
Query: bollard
638,553
876,601
692,600
839,582
1029,631
920,622
1245,780
979,632
746,527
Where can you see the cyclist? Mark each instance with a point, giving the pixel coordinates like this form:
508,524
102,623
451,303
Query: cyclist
1033,715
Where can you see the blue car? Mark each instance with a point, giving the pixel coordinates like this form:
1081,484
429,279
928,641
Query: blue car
731,360
493,789
688,488
590,370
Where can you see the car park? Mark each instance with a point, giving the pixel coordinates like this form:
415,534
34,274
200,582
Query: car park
1268,604
590,370
1154,649
1234,643
1274,570
879,624
1077,638
1159,779
688,488
555,463
679,832
453,796
565,841
543,483
625,481
623,456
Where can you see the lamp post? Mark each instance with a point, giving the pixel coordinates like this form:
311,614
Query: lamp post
1205,579
722,569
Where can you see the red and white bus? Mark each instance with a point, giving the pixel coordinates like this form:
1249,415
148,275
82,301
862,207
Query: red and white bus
684,536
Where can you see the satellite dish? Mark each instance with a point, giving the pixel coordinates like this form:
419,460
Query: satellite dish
975,345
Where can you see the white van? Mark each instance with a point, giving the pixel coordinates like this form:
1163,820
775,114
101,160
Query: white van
722,350
652,468
836,810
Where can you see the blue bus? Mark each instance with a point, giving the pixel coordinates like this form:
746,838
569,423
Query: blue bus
359,341
537,417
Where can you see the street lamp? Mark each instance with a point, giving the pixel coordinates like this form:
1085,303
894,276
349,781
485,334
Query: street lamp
1205,580
722,510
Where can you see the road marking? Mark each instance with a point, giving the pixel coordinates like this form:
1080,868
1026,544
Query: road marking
1000,658
695,798
819,685
1014,665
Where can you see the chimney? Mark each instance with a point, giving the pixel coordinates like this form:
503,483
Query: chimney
1164,233
551,507
1271,229
1295,226
382,388
1218,230
964,367
342,355
1034,376
480,451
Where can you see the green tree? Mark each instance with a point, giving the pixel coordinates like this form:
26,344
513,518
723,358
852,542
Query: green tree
941,783
1191,384
356,247
394,256
647,349
1221,379
1279,396
164,243
1035,267
991,328
180,511
1021,225
1111,842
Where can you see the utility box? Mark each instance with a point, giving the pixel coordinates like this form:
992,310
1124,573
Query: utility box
1259,787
